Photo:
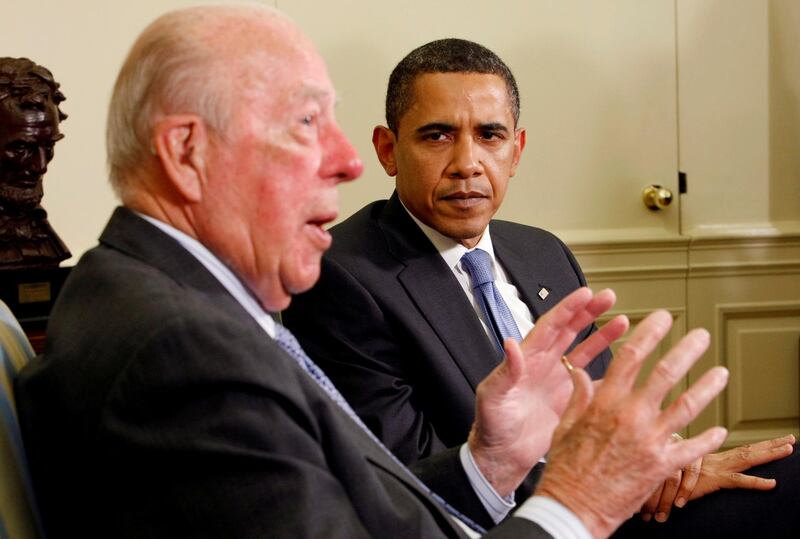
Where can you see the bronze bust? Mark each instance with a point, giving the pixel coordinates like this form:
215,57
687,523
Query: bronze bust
29,119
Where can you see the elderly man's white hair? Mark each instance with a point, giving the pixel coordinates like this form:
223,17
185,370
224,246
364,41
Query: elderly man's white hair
177,66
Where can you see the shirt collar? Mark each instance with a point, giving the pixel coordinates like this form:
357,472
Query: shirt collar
220,271
450,249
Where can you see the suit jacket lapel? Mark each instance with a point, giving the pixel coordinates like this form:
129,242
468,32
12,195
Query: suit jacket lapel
431,286
529,275
129,233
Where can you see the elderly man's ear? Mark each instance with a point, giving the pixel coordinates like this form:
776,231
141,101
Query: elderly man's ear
180,143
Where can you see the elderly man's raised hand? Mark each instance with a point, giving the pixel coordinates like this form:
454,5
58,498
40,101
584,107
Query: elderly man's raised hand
519,404
614,446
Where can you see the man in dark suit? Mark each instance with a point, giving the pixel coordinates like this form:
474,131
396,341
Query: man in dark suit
393,328
396,318
169,403
393,319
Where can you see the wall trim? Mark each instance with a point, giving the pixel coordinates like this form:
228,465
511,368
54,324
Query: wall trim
725,312
685,257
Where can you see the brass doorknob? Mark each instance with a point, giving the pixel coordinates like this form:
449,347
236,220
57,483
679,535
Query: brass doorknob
656,197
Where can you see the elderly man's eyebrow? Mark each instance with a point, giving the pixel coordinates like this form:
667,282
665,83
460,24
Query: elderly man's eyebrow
314,92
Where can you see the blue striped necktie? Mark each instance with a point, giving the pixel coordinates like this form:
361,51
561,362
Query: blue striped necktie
498,316
289,343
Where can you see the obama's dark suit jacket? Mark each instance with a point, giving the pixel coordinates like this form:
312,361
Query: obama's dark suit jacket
392,327
161,409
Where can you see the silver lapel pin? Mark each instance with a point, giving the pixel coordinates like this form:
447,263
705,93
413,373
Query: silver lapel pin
543,293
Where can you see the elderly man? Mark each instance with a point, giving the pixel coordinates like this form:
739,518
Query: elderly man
170,404
401,319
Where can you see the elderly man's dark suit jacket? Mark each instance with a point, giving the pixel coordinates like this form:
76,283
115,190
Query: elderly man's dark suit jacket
392,327
161,409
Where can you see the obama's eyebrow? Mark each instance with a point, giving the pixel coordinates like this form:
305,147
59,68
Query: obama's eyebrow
493,126
443,127
440,127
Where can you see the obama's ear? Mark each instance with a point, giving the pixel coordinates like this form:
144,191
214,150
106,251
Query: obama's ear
519,145
384,140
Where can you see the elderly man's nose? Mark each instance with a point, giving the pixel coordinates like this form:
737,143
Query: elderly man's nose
341,160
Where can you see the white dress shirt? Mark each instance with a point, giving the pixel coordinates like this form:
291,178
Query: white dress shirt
538,509
452,251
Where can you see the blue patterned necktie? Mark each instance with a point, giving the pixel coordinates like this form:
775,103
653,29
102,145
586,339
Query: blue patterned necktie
478,264
289,343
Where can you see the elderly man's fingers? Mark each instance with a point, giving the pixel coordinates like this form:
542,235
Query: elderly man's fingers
682,453
675,364
582,318
686,407
507,374
551,323
629,357
582,394
515,361
600,303
559,326
598,341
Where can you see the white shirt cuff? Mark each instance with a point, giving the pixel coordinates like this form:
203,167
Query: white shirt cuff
497,506
556,519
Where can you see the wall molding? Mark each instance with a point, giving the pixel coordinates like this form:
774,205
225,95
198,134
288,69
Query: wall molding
765,321
685,257
744,270
744,256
